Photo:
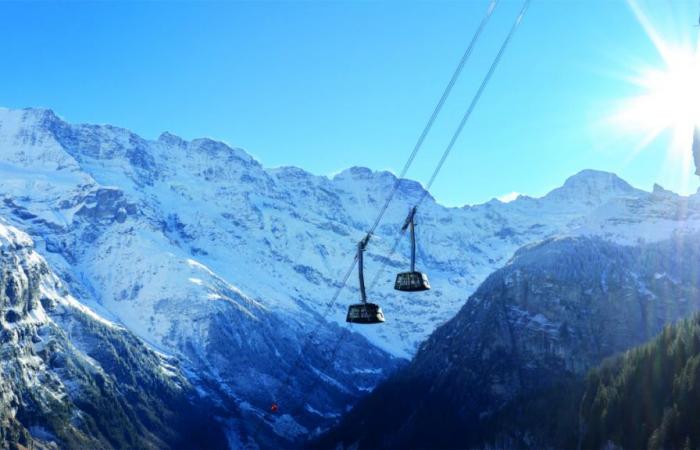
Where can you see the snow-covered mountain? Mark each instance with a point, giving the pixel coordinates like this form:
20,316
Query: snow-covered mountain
205,254
102,213
71,379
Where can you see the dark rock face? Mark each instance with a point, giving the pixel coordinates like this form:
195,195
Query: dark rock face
106,206
556,310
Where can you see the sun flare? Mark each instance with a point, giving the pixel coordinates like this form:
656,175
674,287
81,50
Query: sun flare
669,95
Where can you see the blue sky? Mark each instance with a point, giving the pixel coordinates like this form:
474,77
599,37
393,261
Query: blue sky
328,85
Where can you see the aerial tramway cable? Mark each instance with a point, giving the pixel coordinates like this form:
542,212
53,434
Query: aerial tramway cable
407,165
475,100
436,111
449,147
419,143
465,118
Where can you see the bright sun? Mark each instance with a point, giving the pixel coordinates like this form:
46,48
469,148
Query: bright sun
669,98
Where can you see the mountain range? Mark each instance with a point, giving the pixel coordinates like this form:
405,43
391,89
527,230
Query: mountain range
201,255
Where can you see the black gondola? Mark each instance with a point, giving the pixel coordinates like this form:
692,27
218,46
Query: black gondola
366,313
363,312
412,281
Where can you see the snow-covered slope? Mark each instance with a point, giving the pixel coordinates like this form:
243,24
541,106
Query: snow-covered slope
176,252
204,253
71,379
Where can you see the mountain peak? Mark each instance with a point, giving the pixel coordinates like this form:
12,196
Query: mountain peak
355,173
382,178
171,139
42,117
597,179
660,191
217,148
43,113
593,185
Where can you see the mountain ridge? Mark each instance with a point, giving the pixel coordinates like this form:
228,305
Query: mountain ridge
585,177
157,233
526,337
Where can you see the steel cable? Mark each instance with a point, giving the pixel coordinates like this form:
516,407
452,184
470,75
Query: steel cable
419,143
436,111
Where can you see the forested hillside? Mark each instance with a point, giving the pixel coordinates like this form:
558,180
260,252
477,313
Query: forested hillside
648,398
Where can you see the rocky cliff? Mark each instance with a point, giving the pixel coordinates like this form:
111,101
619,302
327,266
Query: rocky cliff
71,379
490,375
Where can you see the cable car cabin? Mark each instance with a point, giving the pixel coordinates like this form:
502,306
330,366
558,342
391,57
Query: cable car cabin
366,313
363,312
412,282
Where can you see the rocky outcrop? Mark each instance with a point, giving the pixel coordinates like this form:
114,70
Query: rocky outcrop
555,311
70,379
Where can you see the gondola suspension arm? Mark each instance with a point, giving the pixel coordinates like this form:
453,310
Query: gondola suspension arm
410,225
360,267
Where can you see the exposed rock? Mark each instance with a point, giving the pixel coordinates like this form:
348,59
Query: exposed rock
70,379
555,311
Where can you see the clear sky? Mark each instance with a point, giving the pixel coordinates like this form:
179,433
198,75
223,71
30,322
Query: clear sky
328,85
